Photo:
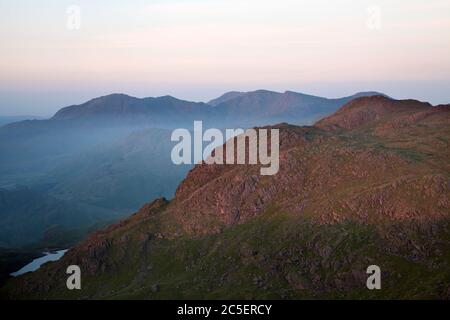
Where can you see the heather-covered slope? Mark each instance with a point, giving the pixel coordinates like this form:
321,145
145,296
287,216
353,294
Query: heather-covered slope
368,185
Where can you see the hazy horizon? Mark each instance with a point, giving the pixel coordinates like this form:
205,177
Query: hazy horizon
59,53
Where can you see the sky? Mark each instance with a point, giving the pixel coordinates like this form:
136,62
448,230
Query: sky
58,53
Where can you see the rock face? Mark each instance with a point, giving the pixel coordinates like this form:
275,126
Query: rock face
367,185
364,174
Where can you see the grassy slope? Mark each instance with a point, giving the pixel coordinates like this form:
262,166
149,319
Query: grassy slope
273,256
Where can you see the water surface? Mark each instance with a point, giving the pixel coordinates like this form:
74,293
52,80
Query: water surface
36,263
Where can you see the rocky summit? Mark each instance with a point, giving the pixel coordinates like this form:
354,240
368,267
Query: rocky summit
368,185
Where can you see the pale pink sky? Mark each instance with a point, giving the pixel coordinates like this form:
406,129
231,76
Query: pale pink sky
198,49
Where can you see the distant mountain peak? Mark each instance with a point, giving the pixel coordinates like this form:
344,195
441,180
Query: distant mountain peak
264,91
226,96
167,97
113,96
369,94
126,108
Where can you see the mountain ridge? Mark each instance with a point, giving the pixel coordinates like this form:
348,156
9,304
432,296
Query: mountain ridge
125,104
371,192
